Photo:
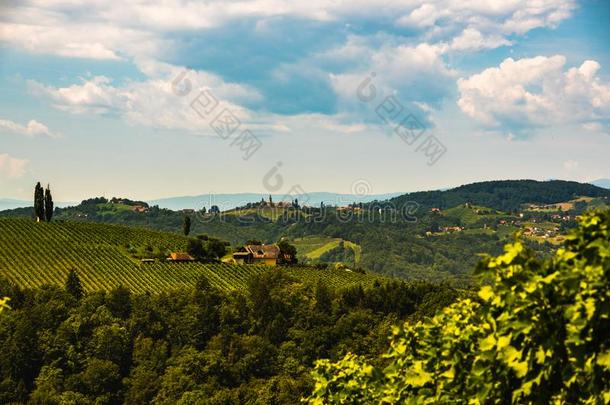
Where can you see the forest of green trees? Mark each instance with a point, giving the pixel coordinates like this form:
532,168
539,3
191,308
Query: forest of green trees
201,345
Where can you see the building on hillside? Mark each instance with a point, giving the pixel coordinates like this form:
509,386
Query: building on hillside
449,229
436,210
242,257
257,254
139,208
180,257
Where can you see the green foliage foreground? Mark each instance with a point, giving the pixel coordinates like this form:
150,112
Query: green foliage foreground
538,334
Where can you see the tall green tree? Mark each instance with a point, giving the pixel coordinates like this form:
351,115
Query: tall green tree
73,285
39,202
288,253
186,225
195,248
48,204
119,302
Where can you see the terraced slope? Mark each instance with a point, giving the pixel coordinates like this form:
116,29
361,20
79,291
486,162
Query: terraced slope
312,247
33,254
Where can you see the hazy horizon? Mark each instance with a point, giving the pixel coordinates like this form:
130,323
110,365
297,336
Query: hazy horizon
604,183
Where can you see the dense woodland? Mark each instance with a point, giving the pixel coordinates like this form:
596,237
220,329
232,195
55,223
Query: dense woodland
195,345
506,195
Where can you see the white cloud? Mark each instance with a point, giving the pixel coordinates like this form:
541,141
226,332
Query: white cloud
31,129
471,39
144,31
116,29
536,92
11,167
84,39
528,15
425,15
473,25
414,74
151,102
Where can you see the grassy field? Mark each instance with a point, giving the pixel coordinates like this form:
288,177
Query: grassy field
472,214
568,205
312,247
33,254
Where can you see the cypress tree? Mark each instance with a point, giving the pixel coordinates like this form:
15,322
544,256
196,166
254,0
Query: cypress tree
186,225
74,286
48,204
39,202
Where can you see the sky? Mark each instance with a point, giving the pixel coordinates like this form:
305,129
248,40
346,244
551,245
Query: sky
145,99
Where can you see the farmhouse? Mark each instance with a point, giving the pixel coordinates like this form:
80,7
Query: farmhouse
139,208
180,257
257,254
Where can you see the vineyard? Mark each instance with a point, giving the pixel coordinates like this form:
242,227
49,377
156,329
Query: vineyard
33,254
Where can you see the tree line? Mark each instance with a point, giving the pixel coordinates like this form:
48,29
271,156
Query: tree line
198,345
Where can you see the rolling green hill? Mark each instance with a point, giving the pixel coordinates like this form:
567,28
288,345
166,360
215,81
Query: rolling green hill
395,246
504,195
312,247
33,254
469,214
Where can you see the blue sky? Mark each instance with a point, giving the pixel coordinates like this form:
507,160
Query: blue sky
504,89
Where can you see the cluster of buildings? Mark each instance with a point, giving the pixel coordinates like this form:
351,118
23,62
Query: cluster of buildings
511,222
268,255
258,254
177,257
540,232
280,204
558,217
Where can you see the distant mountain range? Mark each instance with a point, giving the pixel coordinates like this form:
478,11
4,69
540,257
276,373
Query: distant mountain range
232,200
9,204
605,183
228,201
